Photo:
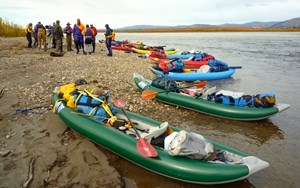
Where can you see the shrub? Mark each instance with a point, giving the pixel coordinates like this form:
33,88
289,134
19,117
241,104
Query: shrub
9,29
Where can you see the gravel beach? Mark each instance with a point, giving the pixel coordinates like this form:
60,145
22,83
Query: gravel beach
37,143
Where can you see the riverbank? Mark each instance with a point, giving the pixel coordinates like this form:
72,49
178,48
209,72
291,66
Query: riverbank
38,139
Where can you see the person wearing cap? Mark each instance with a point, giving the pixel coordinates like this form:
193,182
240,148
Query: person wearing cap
28,31
94,29
58,35
108,39
68,30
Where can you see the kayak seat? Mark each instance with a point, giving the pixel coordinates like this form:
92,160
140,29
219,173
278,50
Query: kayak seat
154,131
208,92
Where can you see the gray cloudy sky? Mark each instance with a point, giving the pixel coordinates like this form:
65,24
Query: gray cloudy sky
120,13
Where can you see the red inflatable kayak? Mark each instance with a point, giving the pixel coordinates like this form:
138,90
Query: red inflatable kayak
187,63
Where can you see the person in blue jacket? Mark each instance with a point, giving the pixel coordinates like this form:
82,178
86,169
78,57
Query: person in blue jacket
78,33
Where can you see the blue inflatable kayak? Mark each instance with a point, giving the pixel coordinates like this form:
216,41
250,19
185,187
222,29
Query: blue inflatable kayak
193,75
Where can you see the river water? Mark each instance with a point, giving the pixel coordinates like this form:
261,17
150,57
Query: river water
270,64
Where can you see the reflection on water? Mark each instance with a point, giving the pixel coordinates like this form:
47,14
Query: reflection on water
256,132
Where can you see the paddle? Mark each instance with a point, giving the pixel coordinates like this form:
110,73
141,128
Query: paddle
206,68
149,94
235,67
143,147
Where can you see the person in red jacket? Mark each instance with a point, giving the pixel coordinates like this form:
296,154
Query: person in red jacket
94,29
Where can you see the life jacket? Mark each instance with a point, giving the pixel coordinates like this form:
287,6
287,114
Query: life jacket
172,66
66,93
113,35
158,54
203,57
68,30
28,29
265,100
94,30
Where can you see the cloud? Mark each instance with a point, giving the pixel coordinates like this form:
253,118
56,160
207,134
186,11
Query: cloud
120,13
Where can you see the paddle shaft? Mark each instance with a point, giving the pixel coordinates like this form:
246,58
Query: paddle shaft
136,131
235,67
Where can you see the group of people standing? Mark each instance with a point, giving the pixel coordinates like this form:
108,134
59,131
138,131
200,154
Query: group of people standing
40,35
84,36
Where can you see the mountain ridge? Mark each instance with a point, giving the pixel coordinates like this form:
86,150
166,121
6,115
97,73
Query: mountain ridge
291,23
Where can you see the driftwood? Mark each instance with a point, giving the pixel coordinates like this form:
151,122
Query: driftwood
30,173
55,54
2,92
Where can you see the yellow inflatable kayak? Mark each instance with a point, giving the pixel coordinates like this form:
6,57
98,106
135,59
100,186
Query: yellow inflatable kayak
168,52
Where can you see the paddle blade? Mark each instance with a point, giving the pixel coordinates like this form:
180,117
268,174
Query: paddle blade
201,84
119,103
145,148
148,94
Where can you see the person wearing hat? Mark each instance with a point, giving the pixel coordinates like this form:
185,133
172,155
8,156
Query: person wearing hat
58,35
108,39
94,36
68,30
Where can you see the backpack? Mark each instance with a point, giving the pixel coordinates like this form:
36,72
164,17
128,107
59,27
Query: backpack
164,83
260,100
217,65
98,113
83,99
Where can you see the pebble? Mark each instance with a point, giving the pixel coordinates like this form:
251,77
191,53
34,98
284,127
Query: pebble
5,153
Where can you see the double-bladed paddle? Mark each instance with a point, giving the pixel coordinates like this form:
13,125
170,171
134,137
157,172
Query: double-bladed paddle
143,147
150,94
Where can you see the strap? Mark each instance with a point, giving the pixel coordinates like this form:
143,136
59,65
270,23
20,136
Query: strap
55,104
103,103
91,112
78,97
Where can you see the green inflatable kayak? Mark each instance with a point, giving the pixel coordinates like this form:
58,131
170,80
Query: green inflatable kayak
208,107
236,166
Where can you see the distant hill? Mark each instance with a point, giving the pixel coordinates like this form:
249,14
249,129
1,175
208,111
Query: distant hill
255,24
138,27
295,22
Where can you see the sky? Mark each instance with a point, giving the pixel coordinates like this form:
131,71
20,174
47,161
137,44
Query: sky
121,13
